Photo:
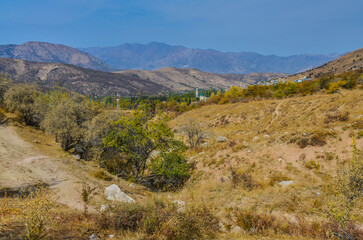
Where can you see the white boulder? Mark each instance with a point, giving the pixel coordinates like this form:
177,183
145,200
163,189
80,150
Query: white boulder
114,193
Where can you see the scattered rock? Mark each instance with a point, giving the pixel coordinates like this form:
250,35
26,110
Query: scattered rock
280,159
35,141
222,139
304,134
255,138
76,156
285,183
180,205
111,236
266,136
103,207
245,144
133,185
318,194
205,145
114,193
93,237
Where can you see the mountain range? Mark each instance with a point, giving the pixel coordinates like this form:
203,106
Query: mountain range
154,55
126,83
48,52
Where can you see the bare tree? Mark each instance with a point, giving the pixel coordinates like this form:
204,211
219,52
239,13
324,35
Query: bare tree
194,132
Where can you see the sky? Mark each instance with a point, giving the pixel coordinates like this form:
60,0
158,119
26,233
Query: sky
280,27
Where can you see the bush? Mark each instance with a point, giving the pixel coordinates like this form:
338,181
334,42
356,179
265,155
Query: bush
165,221
266,224
20,98
36,213
2,116
244,179
169,171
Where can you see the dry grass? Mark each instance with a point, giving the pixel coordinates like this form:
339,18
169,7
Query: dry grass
297,210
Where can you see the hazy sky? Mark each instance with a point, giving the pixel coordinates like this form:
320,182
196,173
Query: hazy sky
281,27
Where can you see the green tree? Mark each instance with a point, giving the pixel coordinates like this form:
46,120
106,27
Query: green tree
138,137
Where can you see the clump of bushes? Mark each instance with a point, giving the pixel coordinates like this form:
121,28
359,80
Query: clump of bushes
160,220
266,224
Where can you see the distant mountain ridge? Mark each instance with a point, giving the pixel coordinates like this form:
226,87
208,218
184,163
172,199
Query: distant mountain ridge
126,83
155,55
48,52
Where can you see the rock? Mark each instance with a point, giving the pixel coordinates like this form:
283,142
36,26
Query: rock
93,237
245,144
222,139
35,141
318,194
285,183
114,193
180,205
279,159
205,145
111,236
76,156
304,134
236,230
133,185
103,207
255,138
266,136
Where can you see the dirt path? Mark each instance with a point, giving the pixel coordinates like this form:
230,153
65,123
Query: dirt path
22,165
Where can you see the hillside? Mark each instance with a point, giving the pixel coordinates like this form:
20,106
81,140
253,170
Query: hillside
187,79
279,188
350,61
126,83
156,55
48,52
78,79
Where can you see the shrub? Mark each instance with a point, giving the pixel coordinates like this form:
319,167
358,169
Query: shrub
20,98
266,224
101,175
2,115
312,165
194,133
244,179
36,213
169,171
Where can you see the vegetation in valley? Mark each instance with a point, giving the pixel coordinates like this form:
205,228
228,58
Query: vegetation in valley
184,173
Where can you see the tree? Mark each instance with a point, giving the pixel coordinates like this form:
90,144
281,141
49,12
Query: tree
137,137
20,98
66,121
194,133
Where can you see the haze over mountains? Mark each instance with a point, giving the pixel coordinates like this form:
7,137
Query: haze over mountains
156,55
48,52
